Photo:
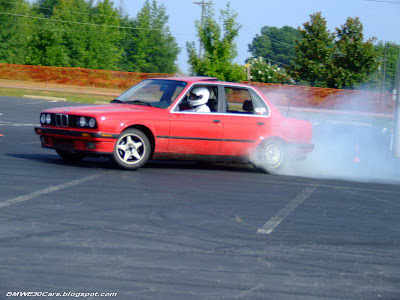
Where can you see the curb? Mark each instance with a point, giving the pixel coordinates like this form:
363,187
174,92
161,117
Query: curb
44,98
61,90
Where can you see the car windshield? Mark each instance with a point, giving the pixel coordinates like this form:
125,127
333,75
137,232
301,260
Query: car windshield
153,92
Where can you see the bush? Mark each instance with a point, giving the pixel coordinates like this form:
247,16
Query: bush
262,71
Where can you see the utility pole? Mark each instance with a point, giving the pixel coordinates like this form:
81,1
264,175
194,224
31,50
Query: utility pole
396,133
384,74
203,4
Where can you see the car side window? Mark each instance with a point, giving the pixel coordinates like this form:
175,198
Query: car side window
244,101
212,102
260,108
238,101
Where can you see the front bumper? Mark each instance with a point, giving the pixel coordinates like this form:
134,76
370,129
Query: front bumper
77,140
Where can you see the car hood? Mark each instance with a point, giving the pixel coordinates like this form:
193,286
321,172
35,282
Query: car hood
102,110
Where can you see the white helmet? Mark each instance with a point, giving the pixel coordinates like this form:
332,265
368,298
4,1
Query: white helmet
199,96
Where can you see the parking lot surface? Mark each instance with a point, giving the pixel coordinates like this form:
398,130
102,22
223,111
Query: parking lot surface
182,230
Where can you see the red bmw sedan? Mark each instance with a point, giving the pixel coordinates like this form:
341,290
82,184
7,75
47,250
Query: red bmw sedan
195,118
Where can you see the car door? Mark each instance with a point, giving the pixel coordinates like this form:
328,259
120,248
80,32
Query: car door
246,120
196,132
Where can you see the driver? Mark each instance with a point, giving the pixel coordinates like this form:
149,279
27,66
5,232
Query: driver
198,98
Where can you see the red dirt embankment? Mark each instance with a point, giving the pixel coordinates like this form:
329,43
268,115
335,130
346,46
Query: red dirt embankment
74,76
281,95
328,99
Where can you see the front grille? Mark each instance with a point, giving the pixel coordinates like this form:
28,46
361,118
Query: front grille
61,120
73,121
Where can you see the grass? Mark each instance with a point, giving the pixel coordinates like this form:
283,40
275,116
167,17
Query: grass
70,96
92,98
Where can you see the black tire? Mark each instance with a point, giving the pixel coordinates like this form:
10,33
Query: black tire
271,156
132,149
70,156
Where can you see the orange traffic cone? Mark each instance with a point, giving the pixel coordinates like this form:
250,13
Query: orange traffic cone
356,158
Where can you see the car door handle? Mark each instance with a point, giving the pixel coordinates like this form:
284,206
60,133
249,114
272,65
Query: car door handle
217,121
260,123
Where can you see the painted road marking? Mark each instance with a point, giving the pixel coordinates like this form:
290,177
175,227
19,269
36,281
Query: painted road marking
45,98
29,143
269,227
306,183
248,292
52,101
17,124
51,189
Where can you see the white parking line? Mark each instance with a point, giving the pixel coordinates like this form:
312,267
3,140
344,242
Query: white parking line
269,227
46,191
17,124
30,103
29,143
53,99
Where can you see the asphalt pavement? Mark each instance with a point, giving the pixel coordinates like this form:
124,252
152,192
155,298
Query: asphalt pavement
182,230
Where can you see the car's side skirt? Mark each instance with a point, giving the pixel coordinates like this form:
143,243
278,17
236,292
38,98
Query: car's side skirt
203,139
201,157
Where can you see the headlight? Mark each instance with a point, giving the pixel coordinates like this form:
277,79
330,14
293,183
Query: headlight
48,119
82,121
42,118
92,123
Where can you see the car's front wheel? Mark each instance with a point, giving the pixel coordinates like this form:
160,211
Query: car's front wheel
271,156
132,150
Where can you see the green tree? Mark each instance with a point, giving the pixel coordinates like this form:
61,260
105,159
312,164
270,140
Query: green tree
60,40
354,59
275,44
314,63
76,33
346,62
219,47
45,7
103,44
15,31
392,54
148,45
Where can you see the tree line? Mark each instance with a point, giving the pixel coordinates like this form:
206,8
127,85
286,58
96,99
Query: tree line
82,33
97,35
309,55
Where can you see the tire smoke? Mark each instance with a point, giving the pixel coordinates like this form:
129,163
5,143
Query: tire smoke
352,138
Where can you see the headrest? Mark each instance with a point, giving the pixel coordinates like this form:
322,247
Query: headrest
248,106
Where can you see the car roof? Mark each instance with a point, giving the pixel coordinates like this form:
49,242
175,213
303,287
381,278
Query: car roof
202,79
190,78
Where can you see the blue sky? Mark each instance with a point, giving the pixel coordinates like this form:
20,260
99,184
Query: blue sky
380,19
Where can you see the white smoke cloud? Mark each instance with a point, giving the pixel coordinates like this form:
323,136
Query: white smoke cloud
349,145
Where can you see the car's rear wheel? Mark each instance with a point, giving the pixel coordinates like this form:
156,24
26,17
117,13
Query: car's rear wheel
132,150
271,156
70,156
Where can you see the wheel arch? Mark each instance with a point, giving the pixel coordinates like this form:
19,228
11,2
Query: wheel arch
273,138
147,131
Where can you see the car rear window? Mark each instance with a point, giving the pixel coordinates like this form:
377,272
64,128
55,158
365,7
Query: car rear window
244,101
